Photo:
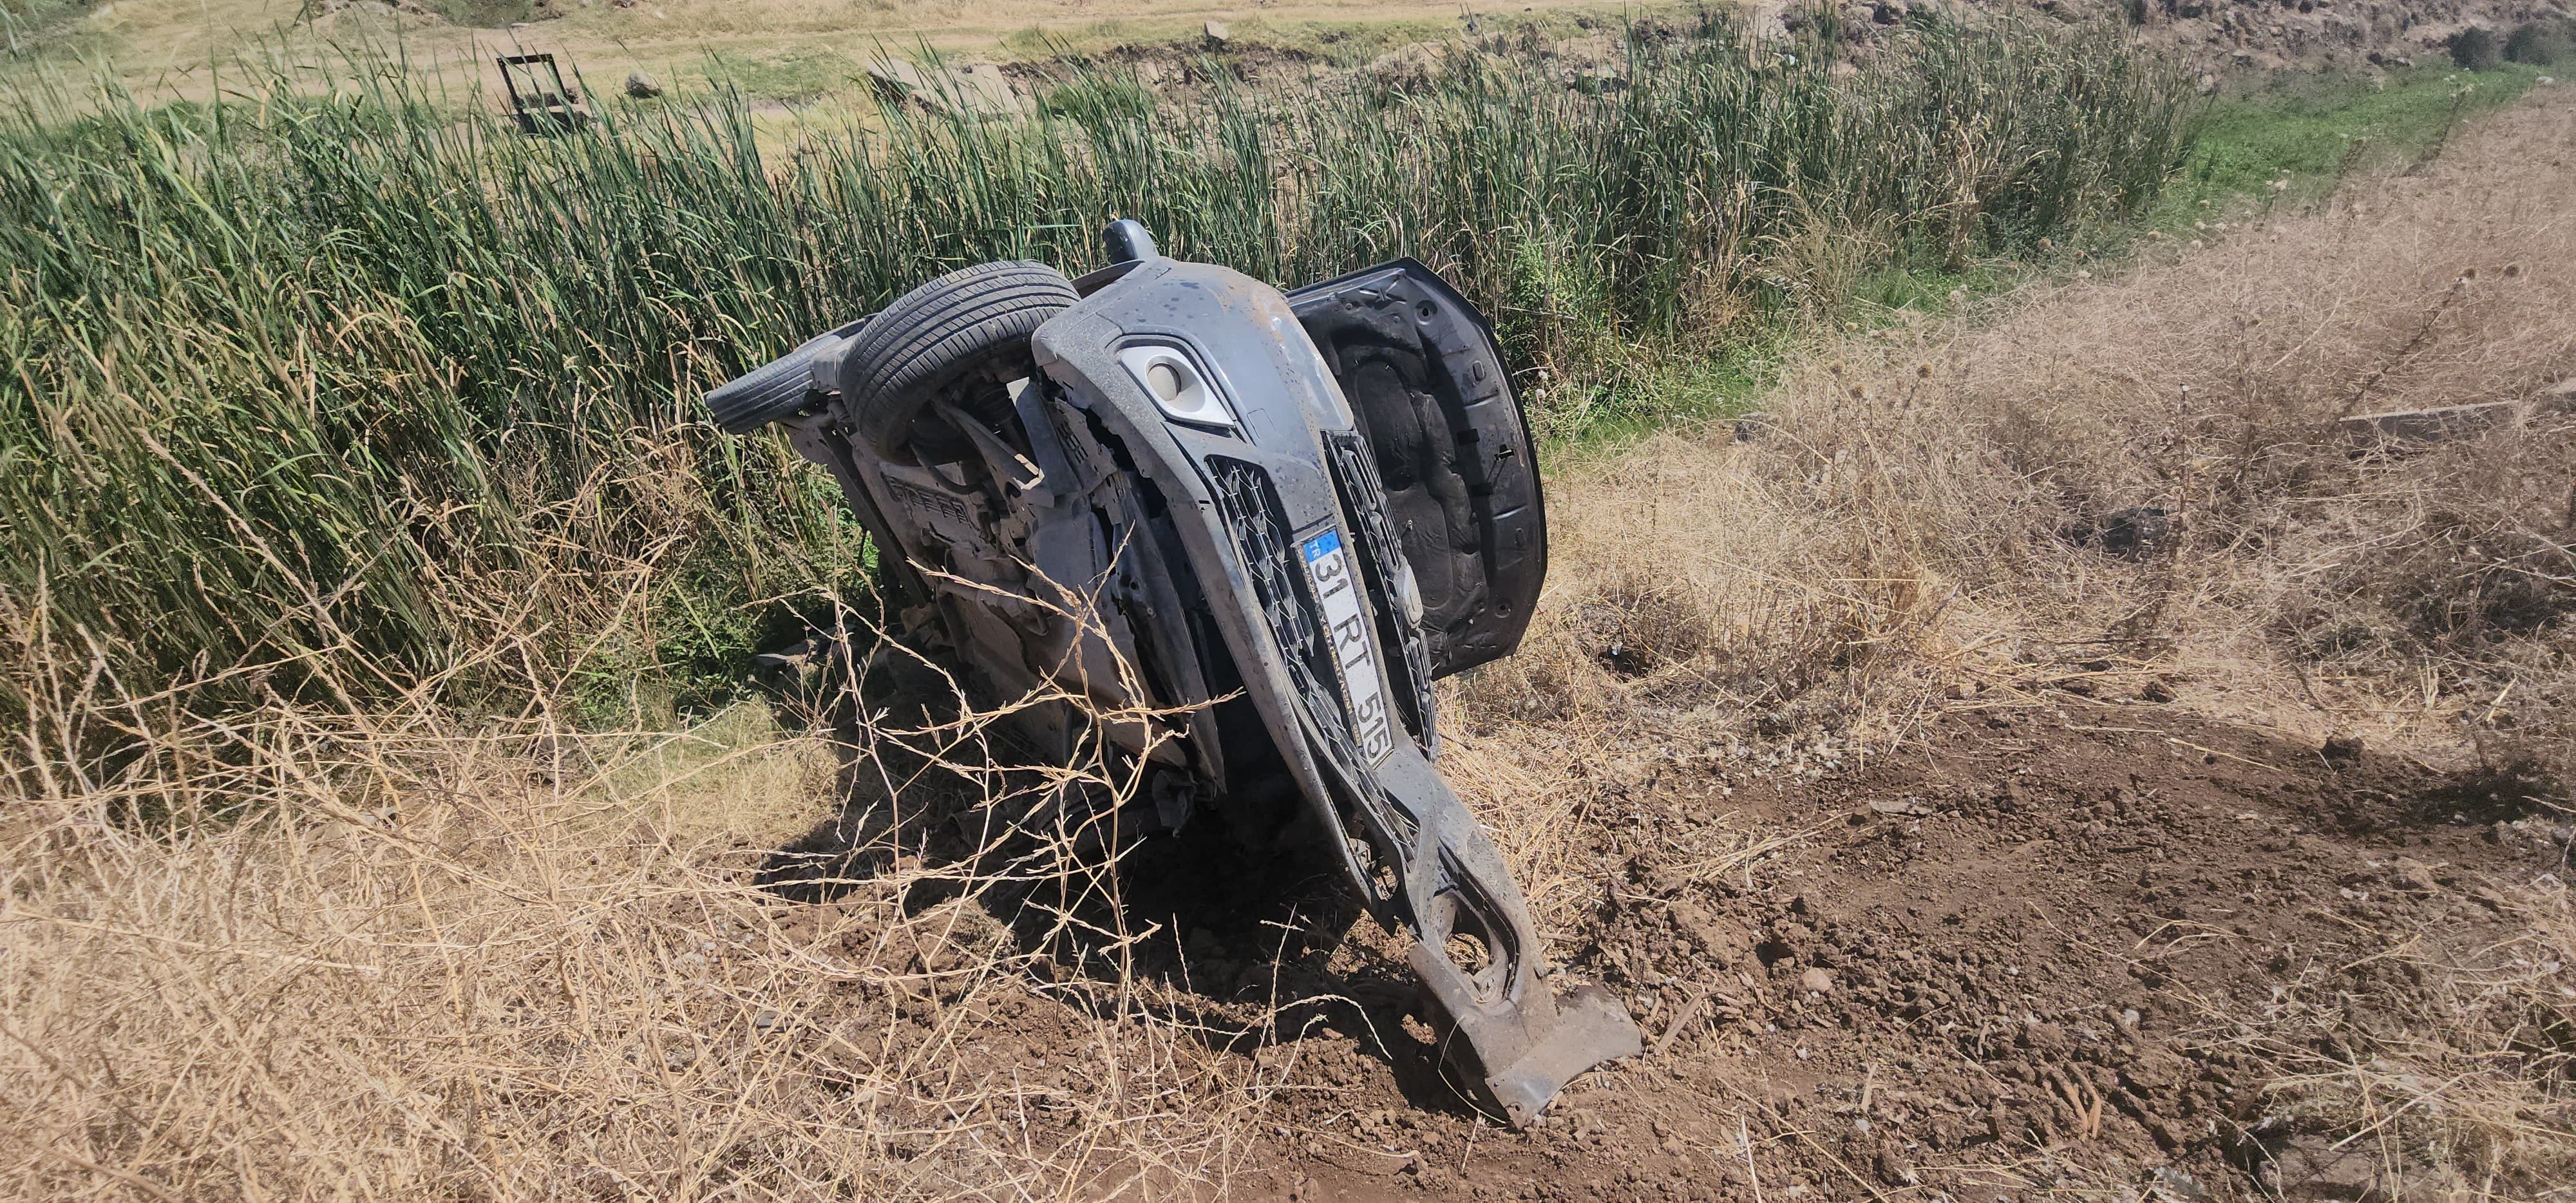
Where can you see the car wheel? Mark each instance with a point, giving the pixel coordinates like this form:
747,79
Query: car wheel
964,337
769,392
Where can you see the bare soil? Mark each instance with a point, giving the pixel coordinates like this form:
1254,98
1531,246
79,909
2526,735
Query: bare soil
2012,956
2001,961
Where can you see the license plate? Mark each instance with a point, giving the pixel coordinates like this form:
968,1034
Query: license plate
1328,565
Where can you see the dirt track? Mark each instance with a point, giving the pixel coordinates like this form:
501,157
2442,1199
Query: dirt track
1992,968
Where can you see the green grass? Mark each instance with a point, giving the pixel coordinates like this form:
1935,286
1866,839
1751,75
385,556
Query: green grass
2315,130
1325,43
488,14
2307,133
28,27
342,381
796,75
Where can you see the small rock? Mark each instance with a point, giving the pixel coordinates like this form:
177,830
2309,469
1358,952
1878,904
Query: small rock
2173,1184
1819,981
1894,1167
642,86
2411,874
1215,32
766,1020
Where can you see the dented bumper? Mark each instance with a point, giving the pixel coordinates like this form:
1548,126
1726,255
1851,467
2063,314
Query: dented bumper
1253,445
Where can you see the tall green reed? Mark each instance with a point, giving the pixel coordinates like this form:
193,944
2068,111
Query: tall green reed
342,386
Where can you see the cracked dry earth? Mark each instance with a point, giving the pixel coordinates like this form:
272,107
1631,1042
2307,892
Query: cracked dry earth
2013,959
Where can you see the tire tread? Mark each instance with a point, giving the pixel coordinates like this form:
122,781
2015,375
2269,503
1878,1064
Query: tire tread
931,334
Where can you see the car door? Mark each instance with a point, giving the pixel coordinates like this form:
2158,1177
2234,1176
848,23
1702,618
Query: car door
1452,447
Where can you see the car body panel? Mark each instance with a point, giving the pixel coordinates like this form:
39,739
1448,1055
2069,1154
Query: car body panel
1263,496
1425,379
1182,517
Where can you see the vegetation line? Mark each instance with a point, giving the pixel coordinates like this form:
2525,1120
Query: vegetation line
444,376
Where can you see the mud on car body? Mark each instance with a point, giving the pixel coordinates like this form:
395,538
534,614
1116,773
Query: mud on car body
1252,526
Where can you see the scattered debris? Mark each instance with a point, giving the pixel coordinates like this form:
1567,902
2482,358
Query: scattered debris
540,100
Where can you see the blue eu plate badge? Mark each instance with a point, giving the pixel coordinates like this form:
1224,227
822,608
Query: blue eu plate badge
1328,566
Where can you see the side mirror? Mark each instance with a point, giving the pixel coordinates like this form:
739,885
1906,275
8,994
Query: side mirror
1127,240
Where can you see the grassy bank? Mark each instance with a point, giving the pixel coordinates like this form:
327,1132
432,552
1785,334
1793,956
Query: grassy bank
334,382
2293,140
2308,134
2316,131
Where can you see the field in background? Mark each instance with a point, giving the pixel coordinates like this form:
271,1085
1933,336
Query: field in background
781,49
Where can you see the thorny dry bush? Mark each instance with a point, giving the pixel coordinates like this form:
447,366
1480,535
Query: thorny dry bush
296,954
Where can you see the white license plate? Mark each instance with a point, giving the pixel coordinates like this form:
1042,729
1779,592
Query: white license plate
1346,629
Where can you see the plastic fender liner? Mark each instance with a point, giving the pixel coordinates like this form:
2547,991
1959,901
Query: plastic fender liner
1425,379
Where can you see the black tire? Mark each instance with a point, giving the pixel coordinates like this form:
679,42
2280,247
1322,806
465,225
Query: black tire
766,393
968,329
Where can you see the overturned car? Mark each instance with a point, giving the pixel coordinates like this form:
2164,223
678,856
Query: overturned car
1268,522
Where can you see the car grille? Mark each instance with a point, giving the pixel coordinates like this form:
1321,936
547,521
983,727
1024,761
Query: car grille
1250,506
1249,503
1364,499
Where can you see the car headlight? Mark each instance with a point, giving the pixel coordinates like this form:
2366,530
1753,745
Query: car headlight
1177,385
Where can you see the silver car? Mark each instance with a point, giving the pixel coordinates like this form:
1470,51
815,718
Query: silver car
1249,528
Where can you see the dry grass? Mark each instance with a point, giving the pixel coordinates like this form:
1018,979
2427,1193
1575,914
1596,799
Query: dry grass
2424,1072
298,954
1921,511
1917,523
175,46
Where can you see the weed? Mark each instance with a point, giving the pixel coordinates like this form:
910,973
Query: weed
327,376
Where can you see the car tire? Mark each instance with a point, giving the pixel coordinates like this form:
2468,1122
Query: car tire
967,331
766,393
